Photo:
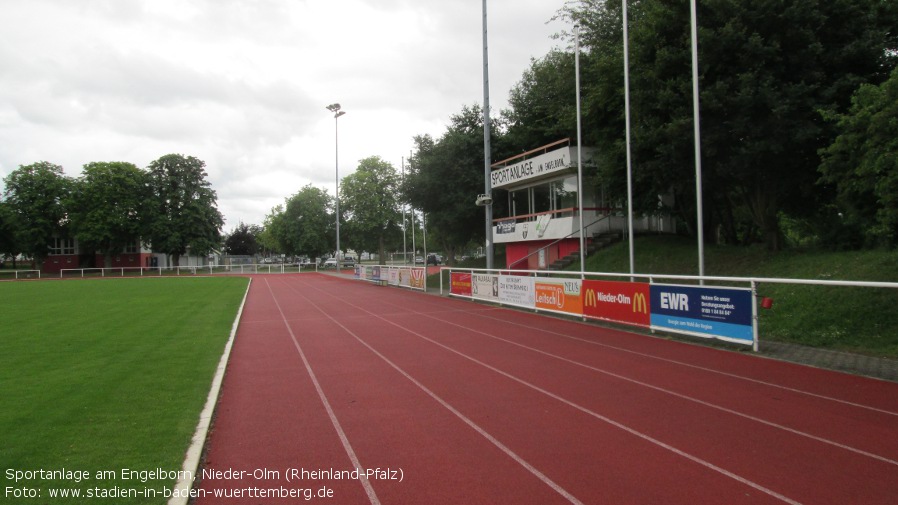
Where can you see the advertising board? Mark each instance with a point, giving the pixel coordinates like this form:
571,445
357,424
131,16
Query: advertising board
516,290
724,313
417,278
485,287
621,302
460,284
558,295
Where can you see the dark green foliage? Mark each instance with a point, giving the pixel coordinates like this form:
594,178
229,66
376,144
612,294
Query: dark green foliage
446,176
369,200
303,225
182,208
862,165
767,70
106,207
35,197
243,240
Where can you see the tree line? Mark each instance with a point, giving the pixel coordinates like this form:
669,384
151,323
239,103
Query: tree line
169,205
798,100
799,142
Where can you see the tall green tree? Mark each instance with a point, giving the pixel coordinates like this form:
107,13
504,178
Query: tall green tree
243,241
444,179
542,104
106,207
766,70
8,246
370,200
35,195
862,163
183,213
271,229
304,225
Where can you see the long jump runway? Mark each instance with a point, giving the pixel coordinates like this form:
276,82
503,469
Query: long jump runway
343,392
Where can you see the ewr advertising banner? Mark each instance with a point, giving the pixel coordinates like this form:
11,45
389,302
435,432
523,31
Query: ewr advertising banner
622,302
724,313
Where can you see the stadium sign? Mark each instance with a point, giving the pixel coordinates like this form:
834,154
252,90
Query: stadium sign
549,163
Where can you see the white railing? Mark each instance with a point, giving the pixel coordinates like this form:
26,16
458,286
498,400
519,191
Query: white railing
668,301
261,268
20,274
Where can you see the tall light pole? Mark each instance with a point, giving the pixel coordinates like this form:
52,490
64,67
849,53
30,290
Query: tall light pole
627,121
335,108
579,151
487,190
700,228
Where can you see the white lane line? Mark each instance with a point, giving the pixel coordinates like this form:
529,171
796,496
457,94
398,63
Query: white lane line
481,431
632,431
369,490
690,365
673,393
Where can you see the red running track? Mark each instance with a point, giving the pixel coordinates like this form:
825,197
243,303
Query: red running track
461,403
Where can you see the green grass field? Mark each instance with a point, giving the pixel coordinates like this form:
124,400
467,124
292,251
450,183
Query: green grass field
106,375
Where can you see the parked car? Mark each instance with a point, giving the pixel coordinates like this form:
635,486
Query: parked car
419,260
348,261
330,263
434,259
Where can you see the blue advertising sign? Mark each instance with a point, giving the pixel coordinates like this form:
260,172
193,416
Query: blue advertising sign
725,313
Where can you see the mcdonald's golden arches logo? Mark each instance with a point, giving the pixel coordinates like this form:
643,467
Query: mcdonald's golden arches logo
590,298
639,303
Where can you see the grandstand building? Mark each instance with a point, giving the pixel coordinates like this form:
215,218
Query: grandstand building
538,209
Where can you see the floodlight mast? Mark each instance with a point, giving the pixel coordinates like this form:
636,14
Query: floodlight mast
335,108
486,146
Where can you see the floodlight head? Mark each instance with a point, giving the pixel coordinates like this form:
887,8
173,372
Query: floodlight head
334,107
483,200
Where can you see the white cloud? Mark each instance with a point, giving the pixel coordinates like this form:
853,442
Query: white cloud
242,85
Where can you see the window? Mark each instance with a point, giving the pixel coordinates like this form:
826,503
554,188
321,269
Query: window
62,246
547,196
564,193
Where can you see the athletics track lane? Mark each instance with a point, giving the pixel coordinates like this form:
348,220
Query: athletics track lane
478,404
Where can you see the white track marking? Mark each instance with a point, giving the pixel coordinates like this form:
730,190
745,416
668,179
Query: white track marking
672,393
484,314
596,415
369,490
697,367
502,447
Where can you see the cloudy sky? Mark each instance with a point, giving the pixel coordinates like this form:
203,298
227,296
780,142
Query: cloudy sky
243,84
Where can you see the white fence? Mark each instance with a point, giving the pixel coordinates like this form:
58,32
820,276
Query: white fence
20,274
264,268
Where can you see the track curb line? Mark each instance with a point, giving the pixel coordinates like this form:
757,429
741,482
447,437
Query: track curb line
182,490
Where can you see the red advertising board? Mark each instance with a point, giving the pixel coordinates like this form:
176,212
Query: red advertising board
460,284
622,302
